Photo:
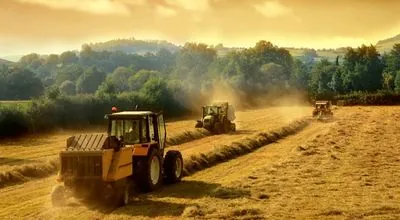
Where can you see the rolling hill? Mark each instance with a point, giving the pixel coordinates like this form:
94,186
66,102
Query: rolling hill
387,44
5,62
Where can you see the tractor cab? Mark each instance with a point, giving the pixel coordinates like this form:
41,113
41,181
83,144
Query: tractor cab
137,127
210,110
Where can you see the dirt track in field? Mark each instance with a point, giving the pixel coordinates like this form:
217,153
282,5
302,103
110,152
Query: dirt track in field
34,195
343,169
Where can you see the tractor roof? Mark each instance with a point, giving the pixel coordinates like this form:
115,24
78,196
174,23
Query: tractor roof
130,114
321,102
218,103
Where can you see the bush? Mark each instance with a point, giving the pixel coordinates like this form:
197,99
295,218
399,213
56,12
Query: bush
364,98
13,121
46,114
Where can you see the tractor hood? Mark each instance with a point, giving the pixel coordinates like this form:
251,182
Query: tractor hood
207,121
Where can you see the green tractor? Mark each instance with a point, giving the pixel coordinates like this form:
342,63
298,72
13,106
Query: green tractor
217,118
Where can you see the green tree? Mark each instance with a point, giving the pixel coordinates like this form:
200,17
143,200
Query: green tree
137,81
336,83
107,88
388,81
397,81
68,88
300,77
68,57
271,78
29,59
156,93
363,69
393,59
321,76
69,72
120,77
53,92
90,80
21,84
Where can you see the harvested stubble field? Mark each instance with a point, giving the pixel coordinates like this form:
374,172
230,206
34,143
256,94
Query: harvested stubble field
15,155
346,168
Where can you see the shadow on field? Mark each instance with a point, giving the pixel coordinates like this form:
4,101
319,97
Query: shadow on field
152,204
198,189
150,208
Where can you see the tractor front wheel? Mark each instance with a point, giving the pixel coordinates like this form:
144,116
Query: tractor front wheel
124,195
149,173
173,166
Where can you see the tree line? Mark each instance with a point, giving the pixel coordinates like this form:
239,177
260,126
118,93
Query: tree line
73,88
196,69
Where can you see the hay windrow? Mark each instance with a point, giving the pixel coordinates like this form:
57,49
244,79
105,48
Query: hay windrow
187,136
27,172
246,145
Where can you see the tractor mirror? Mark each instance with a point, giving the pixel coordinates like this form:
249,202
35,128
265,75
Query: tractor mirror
106,117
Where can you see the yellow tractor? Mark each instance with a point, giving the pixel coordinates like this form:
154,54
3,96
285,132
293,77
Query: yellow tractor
131,156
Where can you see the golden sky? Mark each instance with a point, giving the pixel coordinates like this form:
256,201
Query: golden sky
53,26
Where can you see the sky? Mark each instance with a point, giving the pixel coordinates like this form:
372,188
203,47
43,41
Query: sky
54,26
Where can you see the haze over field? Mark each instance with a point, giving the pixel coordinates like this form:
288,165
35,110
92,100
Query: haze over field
48,26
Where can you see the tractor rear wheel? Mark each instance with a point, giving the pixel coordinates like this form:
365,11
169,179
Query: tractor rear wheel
58,195
173,166
227,126
217,128
149,172
233,127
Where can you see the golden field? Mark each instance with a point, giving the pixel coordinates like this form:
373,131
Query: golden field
345,168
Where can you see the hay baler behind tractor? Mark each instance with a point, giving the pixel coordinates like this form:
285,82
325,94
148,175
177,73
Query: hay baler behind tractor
322,109
217,118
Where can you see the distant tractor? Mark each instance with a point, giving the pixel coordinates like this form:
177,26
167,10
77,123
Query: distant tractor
217,118
322,109
130,156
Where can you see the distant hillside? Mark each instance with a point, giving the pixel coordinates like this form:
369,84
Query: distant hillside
133,46
387,44
5,62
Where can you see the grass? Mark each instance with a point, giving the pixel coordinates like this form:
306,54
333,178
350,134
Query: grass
25,103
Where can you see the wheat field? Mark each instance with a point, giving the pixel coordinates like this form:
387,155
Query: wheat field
345,168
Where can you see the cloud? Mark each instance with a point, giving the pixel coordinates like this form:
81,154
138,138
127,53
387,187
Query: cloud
91,6
272,9
164,11
190,5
